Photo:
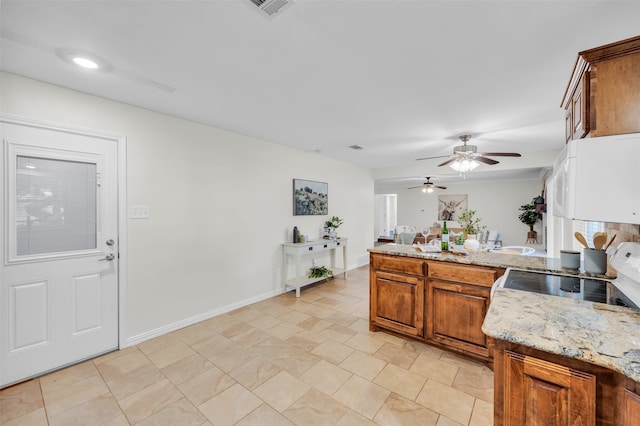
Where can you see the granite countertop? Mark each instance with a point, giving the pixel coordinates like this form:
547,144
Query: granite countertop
484,258
494,259
604,335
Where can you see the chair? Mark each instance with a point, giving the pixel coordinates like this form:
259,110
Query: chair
492,237
406,238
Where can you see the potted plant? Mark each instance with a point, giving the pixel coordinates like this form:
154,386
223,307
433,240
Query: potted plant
470,223
320,272
332,225
458,243
529,217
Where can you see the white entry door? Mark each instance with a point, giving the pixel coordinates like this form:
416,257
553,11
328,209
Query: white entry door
59,277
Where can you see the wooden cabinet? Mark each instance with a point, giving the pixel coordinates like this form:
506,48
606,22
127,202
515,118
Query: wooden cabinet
577,109
542,392
631,407
397,294
458,298
603,94
441,302
532,387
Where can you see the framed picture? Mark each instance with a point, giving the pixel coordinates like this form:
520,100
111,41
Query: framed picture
310,198
450,206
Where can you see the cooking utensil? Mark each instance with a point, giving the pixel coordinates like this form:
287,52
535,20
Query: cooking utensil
599,240
581,239
610,241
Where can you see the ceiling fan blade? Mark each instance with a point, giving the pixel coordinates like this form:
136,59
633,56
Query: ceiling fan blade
449,161
431,158
415,187
439,187
485,160
501,154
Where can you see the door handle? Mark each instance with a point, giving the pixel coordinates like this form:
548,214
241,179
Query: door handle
110,242
110,256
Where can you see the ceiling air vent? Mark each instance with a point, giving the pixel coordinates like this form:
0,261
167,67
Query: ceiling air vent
272,8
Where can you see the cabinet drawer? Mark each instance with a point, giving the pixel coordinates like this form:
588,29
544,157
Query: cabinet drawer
462,273
399,264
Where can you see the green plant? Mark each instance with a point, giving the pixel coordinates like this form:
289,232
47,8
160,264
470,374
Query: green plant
320,272
469,222
529,216
459,239
334,222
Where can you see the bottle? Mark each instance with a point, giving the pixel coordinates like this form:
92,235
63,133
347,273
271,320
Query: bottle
296,235
445,238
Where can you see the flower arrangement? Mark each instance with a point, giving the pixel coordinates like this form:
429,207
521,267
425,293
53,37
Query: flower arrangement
333,223
469,222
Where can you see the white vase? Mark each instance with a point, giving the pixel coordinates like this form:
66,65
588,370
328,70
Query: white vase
471,243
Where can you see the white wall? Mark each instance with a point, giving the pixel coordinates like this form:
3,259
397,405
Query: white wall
496,202
221,203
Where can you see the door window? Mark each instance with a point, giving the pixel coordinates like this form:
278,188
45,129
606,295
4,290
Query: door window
56,206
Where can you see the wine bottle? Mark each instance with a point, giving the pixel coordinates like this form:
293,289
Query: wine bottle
445,238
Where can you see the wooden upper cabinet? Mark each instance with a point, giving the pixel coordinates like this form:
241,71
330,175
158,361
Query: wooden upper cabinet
603,94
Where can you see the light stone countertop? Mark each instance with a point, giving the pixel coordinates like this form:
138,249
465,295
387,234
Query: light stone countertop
604,335
483,258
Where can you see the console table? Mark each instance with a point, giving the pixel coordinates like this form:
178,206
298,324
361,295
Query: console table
299,250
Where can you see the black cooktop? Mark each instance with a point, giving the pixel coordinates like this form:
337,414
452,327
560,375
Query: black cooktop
574,287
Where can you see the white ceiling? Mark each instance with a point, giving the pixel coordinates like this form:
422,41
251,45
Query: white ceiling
402,79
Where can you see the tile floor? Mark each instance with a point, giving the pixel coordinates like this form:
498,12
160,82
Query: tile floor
282,361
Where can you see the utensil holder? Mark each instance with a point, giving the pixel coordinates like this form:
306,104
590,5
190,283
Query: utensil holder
595,261
569,259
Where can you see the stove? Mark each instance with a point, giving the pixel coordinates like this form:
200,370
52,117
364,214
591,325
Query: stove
622,291
573,287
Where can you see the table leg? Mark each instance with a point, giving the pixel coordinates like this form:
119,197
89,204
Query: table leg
344,260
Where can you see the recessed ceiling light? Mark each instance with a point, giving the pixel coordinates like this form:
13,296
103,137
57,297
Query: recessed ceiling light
83,59
85,63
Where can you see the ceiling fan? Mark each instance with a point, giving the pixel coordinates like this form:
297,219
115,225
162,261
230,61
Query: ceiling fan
466,157
428,186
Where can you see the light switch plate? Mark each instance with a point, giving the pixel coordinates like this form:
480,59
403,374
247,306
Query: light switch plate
139,212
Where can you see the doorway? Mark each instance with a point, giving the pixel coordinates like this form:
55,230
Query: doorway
62,259
385,215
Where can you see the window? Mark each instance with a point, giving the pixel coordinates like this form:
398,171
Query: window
586,228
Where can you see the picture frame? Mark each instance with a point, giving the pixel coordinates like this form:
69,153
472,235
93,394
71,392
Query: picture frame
310,197
450,206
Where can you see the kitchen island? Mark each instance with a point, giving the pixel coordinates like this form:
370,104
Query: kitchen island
561,360
568,361
439,298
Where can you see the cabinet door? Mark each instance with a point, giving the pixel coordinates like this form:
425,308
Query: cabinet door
631,408
568,124
397,302
455,313
580,106
538,392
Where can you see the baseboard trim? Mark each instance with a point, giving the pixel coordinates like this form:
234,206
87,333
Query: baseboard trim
147,335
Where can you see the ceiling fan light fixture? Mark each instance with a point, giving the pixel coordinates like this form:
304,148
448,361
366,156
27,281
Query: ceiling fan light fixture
464,165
